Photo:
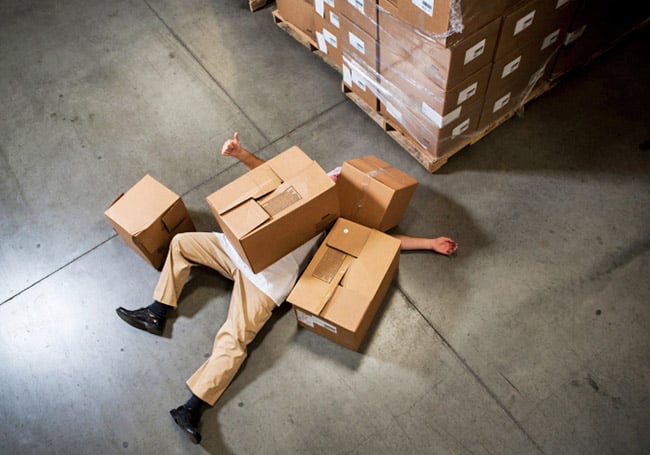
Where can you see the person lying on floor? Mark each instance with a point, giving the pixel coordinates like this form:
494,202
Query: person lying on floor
254,296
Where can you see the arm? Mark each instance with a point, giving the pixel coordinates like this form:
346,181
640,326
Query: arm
232,147
441,245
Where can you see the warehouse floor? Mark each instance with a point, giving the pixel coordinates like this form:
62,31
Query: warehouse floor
533,338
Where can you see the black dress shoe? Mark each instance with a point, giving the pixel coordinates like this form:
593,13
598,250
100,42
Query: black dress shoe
143,319
184,419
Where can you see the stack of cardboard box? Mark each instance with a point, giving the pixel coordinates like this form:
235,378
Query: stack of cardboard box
445,72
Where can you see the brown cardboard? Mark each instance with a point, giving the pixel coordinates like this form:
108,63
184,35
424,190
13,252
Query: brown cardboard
439,19
446,67
299,13
343,286
374,193
273,209
328,35
360,62
437,142
147,216
363,13
532,20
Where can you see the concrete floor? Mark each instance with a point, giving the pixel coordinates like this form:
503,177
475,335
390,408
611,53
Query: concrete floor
532,339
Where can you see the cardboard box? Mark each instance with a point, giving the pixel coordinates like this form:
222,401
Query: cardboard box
442,19
533,20
299,13
360,62
363,13
446,67
343,286
327,29
147,217
276,207
374,193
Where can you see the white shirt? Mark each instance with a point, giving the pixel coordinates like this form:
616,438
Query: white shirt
278,279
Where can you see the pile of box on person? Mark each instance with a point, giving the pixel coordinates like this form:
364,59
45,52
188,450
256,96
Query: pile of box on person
444,73
278,206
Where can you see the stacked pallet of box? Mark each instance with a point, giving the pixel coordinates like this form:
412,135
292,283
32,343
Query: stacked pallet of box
439,75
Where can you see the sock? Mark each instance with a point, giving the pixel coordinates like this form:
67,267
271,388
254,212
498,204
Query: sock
159,309
196,406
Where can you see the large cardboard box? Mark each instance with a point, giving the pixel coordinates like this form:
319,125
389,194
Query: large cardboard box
276,207
147,217
360,62
299,13
446,67
343,286
374,193
363,13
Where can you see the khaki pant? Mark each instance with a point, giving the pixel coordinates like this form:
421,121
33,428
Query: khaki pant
249,309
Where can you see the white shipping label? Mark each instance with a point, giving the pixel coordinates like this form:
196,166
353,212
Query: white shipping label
511,67
359,79
424,5
357,43
319,6
460,129
324,324
330,3
561,3
501,102
572,36
467,93
334,19
437,119
551,39
304,318
474,51
358,4
322,44
524,22
330,38
347,76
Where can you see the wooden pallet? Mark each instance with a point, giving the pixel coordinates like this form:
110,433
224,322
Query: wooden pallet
302,38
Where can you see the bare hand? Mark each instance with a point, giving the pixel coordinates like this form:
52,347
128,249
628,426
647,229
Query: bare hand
232,147
444,245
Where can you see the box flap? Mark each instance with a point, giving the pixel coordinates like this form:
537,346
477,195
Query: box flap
346,308
383,172
289,163
348,237
245,217
252,185
174,216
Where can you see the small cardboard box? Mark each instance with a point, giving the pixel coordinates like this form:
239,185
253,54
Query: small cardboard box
374,193
276,207
147,217
343,286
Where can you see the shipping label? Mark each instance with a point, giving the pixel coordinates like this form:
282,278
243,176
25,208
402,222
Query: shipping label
424,5
460,129
467,93
524,22
501,102
357,43
475,51
551,39
511,67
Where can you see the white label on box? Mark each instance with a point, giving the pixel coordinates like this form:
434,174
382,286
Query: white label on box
330,3
501,102
319,6
467,93
424,5
324,324
358,4
561,3
460,129
524,22
359,79
437,119
347,75
474,51
334,19
357,43
322,44
330,38
309,320
511,67
304,318
550,39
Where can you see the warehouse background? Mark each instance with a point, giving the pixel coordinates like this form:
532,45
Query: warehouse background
532,339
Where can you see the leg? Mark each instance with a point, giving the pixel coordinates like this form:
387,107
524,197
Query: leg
249,310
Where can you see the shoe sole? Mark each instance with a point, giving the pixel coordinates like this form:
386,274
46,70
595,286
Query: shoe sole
139,325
